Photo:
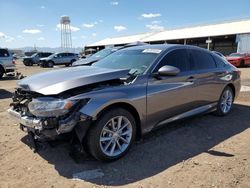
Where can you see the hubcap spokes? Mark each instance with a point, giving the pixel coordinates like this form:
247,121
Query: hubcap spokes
227,100
116,136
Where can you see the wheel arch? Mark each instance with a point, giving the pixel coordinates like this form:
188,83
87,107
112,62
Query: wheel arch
232,87
130,109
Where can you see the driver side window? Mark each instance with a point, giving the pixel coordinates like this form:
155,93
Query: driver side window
177,58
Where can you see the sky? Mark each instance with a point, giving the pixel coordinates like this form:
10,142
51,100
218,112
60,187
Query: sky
35,22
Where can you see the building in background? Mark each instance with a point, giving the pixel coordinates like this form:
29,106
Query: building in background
227,37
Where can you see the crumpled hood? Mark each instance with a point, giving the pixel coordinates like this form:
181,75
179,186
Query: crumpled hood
58,81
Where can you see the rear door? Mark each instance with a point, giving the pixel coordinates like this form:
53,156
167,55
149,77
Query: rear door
59,58
70,57
168,96
205,74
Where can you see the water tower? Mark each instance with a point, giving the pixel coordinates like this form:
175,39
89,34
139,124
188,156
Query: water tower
66,40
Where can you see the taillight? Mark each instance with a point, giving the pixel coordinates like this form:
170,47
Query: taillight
13,62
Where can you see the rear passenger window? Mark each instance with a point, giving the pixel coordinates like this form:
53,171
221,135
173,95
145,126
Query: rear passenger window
4,53
202,60
177,58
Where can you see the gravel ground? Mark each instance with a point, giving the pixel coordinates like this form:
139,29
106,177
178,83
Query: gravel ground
205,151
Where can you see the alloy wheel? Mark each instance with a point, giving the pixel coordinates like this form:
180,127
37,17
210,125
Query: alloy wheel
226,101
116,136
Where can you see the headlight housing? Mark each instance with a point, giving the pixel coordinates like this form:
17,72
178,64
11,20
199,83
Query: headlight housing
50,107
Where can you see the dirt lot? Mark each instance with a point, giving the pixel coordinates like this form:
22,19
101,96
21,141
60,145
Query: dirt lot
205,151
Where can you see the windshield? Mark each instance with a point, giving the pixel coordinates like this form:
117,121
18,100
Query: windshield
136,60
99,55
52,55
236,55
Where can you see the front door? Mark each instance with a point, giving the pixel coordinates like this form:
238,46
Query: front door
168,96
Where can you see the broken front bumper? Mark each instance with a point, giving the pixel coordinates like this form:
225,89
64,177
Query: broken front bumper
25,120
49,128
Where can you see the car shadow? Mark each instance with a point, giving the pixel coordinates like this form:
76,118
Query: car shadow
4,94
157,151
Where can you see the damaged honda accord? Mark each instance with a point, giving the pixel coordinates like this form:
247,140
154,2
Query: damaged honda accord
125,95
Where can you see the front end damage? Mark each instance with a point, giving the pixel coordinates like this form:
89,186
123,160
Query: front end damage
46,128
49,105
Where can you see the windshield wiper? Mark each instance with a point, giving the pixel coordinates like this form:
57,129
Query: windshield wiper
133,73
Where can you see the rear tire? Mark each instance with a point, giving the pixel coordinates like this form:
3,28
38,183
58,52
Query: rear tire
112,135
225,102
242,63
71,62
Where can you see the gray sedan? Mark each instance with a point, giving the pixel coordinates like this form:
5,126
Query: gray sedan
125,95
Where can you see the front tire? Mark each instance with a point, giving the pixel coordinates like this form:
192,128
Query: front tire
50,64
112,135
225,102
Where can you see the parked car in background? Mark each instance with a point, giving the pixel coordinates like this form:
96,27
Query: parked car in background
103,53
7,63
125,95
35,58
239,59
219,54
95,57
66,59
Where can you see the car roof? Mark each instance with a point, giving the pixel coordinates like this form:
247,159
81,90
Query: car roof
165,47
149,46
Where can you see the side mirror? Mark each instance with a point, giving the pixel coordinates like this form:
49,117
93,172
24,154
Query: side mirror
168,70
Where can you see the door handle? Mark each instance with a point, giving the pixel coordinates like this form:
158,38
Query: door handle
191,79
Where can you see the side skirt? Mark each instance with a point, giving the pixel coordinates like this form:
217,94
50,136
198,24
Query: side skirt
207,108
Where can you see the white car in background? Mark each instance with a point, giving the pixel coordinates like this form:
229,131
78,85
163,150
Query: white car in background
7,63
